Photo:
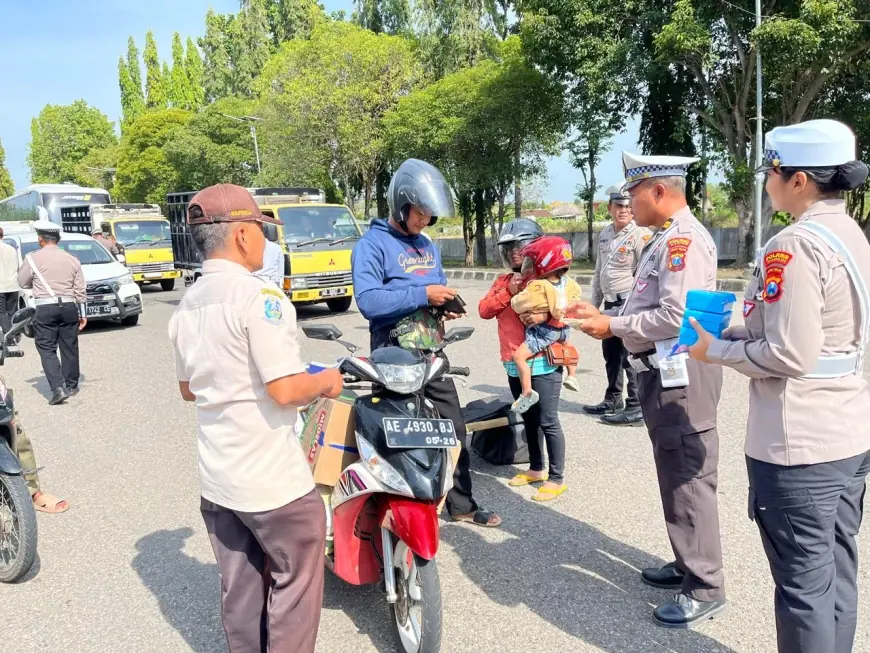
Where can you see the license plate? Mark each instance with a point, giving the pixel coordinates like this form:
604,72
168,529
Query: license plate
333,292
152,275
100,310
411,433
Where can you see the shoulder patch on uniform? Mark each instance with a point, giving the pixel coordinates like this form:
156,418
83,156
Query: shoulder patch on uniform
774,274
273,312
271,291
647,237
678,248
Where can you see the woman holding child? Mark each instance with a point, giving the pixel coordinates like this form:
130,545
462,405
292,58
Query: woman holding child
541,400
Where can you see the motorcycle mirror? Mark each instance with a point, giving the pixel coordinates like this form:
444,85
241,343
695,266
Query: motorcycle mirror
322,332
23,315
458,333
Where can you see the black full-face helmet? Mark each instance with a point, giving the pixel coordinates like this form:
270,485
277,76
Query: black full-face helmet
515,235
420,184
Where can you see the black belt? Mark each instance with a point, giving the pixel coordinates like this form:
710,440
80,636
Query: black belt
644,357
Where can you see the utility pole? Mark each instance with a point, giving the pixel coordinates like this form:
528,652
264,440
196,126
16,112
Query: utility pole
759,136
251,120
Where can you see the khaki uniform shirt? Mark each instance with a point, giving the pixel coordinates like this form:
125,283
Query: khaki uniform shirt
8,268
801,304
680,257
618,256
61,270
232,334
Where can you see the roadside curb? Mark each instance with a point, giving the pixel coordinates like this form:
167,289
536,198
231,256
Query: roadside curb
734,285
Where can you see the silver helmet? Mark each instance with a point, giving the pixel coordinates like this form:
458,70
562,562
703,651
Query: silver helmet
515,235
417,183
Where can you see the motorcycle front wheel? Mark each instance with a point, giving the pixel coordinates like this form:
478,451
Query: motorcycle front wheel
417,612
17,528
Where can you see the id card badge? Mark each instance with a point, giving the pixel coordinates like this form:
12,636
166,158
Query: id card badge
673,370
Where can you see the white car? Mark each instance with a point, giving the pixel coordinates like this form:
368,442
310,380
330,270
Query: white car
112,293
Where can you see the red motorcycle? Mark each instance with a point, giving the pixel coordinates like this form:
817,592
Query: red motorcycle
385,507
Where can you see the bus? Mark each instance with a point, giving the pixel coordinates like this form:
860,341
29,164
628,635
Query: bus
65,202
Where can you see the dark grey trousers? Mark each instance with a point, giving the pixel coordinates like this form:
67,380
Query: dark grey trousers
281,612
808,517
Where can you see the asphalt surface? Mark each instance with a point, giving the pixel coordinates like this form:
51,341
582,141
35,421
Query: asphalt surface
129,567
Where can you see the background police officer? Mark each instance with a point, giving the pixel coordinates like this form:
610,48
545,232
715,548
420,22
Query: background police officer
807,315
59,294
680,413
619,248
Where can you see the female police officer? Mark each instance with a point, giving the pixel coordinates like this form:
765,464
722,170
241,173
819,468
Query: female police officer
807,317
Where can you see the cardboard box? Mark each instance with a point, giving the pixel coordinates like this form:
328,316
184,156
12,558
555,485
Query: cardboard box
328,439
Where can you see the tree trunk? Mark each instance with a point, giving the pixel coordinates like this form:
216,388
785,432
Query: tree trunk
367,199
590,205
501,210
467,233
480,228
518,191
745,236
382,183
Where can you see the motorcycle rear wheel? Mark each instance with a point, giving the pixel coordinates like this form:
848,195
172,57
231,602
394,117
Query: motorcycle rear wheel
18,531
418,621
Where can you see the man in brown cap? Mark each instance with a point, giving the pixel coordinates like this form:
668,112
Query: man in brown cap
238,359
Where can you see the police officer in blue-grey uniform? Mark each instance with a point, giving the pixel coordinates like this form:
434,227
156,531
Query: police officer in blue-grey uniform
803,345
60,296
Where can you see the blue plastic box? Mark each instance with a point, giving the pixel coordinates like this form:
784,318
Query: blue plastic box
711,301
711,308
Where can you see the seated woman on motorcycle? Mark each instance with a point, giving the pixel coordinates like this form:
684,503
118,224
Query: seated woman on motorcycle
542,419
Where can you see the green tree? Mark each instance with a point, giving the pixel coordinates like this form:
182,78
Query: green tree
194,71
61,136
218,75
130,81
144,174
179,94
254,42
324,100
97,168
6,185
472,123
289,19
155,88
383,16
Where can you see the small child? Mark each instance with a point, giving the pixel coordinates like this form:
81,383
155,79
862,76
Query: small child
548,260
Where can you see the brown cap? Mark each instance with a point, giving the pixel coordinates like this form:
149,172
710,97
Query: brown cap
225,203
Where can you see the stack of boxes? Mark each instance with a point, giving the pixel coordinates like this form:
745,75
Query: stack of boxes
711,308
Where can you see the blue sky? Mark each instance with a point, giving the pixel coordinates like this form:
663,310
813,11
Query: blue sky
58,51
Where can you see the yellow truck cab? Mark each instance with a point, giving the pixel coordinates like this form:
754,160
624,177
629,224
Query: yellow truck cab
317,239
143,236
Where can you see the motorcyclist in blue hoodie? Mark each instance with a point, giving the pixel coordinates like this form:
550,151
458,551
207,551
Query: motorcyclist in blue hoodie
397,276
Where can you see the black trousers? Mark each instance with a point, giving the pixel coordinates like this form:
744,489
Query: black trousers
542,422
442,394
8,306
808,517
56,326
615,365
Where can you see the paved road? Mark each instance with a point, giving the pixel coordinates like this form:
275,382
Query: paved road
129,568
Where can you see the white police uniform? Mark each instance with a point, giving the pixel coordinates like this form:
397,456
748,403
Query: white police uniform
807,318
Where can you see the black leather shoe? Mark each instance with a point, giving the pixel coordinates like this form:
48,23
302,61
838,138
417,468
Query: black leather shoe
605,408
58,396
631,417
684,612
668,577
72,391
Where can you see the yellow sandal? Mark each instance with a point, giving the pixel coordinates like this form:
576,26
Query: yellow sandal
524,479
548,494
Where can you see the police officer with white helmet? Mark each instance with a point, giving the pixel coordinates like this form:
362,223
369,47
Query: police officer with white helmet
807,318
60,296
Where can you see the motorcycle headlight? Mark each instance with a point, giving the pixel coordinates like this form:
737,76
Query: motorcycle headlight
404,379
124,279
381,469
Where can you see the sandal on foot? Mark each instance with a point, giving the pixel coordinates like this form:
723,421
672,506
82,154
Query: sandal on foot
571,383
548,494
479,517
524,479
45,502
523,403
